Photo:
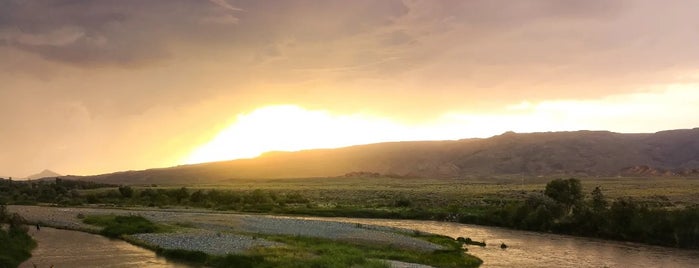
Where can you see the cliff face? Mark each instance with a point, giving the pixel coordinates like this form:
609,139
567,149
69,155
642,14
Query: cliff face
665,153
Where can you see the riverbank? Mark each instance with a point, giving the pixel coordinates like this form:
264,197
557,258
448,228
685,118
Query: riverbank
15,246
268,237
658,211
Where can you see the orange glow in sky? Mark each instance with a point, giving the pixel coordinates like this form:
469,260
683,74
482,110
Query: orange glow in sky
293,128
108,86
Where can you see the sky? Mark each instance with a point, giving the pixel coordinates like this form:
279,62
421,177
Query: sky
89,87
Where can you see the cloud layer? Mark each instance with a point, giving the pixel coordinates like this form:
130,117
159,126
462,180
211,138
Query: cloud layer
153,78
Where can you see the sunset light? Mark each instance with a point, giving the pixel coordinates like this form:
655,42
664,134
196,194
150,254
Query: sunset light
293,128
166,83
191,125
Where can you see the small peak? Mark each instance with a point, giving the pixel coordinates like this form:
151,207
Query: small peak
44,174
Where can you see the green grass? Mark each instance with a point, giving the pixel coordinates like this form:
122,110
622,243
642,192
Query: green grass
15,247
442,240
298,251
301,252
318,252
115,226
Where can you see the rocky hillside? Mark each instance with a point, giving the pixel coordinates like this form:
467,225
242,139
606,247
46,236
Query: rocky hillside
579,153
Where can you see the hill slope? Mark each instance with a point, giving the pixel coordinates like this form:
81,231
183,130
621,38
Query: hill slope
579,153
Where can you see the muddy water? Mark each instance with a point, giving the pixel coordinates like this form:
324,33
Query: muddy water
531,249
64,248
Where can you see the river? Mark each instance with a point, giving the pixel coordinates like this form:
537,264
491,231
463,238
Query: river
63,248
532,249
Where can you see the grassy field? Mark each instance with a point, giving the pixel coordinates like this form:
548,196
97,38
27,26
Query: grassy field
377,192
405,197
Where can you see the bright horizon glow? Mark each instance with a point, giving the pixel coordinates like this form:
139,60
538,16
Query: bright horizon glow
294,128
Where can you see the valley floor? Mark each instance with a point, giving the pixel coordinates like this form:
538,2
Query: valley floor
216,233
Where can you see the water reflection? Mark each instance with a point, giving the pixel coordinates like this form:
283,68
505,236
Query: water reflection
64,248
531,249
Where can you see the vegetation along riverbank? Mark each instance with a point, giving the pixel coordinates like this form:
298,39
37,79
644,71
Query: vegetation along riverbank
235,240
15,243
660,211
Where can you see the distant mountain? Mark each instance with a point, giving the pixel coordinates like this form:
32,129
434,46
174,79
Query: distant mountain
578,153
44,174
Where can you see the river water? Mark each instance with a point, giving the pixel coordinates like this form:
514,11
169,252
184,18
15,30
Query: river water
532,249
63,248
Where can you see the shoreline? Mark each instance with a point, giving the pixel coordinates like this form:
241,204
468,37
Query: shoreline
205,226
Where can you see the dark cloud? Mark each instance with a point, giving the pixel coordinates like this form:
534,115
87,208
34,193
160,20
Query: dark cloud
128,32
124,32
472,45
109,64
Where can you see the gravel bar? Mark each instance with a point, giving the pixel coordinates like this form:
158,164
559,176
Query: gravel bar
207,242
211,223
331,230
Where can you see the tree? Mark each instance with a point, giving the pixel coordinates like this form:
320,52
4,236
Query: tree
567,192
149,193
126,191
540,212
3,213
181,194
624,219
599,202
197,196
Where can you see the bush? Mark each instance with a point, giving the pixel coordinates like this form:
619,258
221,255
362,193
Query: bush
126,191
237,261
15,243
115,226
402,202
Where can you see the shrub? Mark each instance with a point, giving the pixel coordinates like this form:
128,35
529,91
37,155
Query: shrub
126,191
115,226
15,244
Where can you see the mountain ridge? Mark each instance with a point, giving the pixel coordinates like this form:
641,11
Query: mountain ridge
570,153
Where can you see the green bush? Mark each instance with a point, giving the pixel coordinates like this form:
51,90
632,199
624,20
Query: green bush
115,226
241,261
15,247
